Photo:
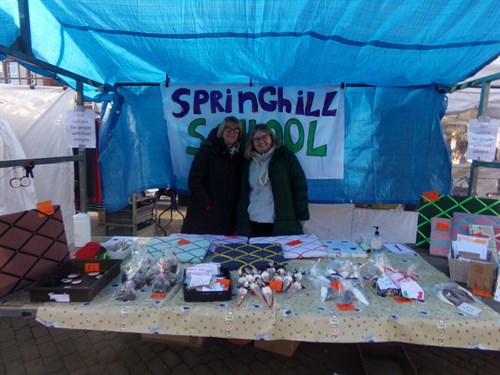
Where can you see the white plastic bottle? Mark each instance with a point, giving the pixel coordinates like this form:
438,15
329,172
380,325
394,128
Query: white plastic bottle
81,225
376,241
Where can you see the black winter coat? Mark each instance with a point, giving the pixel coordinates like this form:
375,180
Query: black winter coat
214,184
289,186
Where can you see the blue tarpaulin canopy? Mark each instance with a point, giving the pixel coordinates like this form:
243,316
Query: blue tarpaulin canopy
390,54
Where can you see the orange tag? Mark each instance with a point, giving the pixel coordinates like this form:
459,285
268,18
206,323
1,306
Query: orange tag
430,196
276,285
482,293
157,295
224,282
346,307
337,285
402,299
442,226
294,243
46,209
183,242
92,267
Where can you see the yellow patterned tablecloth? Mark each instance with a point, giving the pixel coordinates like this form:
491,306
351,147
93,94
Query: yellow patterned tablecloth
302,318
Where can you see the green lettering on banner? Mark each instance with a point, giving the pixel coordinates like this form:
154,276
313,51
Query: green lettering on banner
273,124
294,147
311,151
193,133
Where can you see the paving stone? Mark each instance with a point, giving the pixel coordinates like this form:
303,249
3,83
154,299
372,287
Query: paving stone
170,357
129,357
30,352
8,335
23,334
145,353
182,369
107,355
118,344
219,367
12,352
53,363
139,368
117,368
18,323
66,347
73,361
95,336
90,357
237,366
83,343
484,366
47,349
157,366
39,331
189,356
15,368
203,370
35,367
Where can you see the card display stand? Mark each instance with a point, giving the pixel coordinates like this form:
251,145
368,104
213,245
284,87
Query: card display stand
445,206
136,219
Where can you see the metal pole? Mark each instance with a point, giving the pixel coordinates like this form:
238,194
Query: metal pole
82,163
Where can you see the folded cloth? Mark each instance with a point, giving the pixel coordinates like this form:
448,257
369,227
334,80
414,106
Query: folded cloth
187,248
217,239
298,246
256,255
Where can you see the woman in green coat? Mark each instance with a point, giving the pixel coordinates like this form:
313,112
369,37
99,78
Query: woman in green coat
273,199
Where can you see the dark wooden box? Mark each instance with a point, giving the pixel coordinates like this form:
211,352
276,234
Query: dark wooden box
53,288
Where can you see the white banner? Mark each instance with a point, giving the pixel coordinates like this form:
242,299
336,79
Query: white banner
308,120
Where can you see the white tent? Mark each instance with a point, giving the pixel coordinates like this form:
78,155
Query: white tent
33,126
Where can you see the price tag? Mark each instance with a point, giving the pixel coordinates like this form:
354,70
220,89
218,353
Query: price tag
224,282
46,209
56,297
430,196
158,295
275,285
346,307
337,285
469,309
92,267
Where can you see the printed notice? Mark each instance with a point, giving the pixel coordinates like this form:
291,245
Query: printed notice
482,139
80,128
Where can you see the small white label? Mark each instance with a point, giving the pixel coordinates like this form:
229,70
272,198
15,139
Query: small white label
59,297
469,309
385,283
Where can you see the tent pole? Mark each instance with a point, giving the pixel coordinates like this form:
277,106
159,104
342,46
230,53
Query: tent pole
82,163
483,101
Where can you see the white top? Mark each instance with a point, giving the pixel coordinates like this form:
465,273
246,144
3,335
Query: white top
261,207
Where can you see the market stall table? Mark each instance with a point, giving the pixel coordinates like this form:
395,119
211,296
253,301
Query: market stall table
303,317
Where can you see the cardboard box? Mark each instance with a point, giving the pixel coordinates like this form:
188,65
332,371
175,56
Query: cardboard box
283,347
189,341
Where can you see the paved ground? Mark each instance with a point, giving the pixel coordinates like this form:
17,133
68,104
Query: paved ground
27,347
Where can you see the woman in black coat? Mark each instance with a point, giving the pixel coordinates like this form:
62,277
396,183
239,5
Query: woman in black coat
214,181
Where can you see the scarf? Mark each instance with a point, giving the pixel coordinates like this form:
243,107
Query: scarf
233,150
262,165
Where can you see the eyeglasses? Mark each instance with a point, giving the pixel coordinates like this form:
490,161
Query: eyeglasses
232,130
261,138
